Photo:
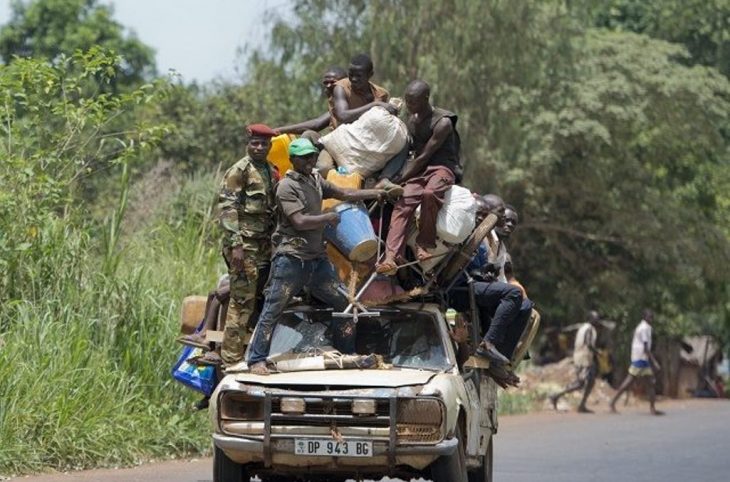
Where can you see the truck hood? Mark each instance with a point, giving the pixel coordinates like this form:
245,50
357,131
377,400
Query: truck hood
398,377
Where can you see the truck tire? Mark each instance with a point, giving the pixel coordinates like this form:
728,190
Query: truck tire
451,468
226,470
484,472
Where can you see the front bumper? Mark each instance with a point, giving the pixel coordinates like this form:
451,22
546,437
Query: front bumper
280,453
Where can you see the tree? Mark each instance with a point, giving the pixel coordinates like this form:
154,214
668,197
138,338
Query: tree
50,28
703,26
624,180
610,144
53,137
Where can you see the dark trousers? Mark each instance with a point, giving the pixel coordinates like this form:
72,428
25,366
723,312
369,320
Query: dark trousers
289,275
501,303
516,328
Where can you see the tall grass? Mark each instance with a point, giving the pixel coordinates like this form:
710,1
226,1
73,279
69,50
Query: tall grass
86,351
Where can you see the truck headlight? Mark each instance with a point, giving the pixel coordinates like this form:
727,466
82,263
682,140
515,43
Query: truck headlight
419,420
238,406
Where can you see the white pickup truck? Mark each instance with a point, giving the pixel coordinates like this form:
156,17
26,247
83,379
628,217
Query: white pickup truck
415,415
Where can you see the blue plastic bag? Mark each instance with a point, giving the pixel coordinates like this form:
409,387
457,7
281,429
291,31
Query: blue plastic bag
200,378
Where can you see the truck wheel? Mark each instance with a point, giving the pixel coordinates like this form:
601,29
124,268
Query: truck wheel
226,470
451,468
484,472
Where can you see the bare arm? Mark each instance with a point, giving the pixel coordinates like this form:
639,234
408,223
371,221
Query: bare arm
441,132
345,115
309,125
308,222
353,195
652,360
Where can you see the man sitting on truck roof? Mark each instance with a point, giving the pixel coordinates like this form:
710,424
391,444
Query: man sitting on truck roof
330,77
352,97
434,170
300,259
503,262
495,300
355,94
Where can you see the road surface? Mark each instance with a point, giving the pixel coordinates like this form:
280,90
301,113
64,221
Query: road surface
690,443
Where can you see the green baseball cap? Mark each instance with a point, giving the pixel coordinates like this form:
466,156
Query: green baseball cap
302,147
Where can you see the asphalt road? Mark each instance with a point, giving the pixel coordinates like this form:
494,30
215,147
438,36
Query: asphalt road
688,444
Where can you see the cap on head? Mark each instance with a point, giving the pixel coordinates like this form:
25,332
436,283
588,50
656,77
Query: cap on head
302,147
260,130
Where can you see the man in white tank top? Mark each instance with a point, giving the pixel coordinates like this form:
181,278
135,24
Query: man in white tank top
643,364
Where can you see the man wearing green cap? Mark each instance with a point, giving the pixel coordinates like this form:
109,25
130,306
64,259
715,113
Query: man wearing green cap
299,258
245,213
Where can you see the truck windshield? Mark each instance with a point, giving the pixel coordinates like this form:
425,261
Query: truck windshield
406,339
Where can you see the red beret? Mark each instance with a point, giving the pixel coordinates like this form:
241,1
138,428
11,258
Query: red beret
260,130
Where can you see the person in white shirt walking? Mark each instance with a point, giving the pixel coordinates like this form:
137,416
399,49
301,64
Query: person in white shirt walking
584,359
643,363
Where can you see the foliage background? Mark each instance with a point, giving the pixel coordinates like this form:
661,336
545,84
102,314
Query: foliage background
604,123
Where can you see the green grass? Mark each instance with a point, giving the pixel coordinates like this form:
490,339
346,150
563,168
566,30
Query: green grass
516,403
85,355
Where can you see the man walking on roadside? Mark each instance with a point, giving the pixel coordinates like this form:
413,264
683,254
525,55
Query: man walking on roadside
246,211
584,359
643,364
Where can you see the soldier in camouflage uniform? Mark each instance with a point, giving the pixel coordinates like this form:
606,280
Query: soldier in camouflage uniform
246,216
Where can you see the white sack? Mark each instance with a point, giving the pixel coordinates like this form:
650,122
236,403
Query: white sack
367,144
439,252
457,217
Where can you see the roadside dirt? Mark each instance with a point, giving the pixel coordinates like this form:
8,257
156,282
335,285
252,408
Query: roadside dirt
554,377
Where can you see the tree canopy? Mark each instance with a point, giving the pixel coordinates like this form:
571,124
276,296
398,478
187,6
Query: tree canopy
613,146
703,26
49,28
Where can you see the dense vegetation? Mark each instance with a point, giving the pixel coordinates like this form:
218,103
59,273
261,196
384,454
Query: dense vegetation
604,123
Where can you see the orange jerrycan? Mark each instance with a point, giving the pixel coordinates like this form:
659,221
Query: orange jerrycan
347,180
279,153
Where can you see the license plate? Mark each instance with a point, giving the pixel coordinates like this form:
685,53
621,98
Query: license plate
353,448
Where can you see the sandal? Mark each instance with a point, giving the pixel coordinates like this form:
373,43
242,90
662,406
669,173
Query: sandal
488,351
197,340
503,377
421,254
209,359
259,368
388,268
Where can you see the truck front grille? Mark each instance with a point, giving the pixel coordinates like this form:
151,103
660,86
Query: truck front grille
321,411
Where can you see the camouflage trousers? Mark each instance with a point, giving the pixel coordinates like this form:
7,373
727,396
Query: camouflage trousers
247,288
